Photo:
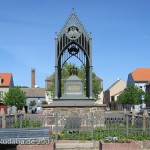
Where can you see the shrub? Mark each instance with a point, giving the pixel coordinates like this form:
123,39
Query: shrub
26,123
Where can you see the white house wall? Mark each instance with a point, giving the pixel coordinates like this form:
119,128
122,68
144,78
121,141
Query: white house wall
38,103
141,85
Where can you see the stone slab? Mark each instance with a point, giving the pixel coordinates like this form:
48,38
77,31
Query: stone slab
37,147
76,144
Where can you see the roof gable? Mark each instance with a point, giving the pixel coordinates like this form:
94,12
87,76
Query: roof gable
6,79
115,83
141,74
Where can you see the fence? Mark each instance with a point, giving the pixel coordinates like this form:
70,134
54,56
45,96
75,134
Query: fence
79,128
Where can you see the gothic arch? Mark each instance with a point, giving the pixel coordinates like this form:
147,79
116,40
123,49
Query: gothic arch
73,40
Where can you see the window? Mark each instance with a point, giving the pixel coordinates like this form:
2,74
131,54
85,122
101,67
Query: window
141,87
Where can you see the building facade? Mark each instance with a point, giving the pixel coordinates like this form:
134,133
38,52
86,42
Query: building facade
139,77
35,97
6,82
113,92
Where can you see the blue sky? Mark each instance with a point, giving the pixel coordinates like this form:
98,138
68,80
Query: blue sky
120,31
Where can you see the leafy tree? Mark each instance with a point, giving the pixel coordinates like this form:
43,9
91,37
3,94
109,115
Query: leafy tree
147,97
81,74
96,86
22,86
131,95
15,97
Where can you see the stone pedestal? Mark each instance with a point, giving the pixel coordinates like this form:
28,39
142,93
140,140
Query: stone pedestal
81,110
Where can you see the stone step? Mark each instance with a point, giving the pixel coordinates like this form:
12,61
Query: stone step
76,145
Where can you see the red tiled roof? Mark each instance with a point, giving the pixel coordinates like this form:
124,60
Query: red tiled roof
141,74
6,79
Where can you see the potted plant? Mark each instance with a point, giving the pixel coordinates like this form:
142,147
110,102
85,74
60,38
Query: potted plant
44,102
32,103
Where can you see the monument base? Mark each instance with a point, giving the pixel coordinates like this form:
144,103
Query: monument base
75,109
73,102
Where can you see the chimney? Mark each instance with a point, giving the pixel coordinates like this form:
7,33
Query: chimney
32,78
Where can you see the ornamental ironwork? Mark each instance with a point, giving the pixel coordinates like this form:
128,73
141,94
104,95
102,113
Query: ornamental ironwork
73,33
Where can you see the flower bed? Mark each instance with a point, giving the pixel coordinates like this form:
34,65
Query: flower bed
123,145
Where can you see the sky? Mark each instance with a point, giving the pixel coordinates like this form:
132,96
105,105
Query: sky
120,36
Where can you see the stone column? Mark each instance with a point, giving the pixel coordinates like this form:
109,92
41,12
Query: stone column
15,114
133,115
145,115
24,112
3,118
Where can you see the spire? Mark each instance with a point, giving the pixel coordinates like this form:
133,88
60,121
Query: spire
73,20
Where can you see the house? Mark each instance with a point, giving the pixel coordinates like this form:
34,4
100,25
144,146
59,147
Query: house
113,92
139,77
49,81
147,88
6,82
35,96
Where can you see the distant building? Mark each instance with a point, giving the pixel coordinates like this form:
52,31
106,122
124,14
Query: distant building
6,82
113,92
34,94
49,81
147,88
139,77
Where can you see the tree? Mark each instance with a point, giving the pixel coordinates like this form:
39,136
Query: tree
147,97
131,95
81,74
15,97
96,86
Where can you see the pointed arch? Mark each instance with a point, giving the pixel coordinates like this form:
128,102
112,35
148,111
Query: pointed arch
72,34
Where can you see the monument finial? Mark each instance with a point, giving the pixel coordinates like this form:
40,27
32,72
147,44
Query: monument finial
73,71
73,10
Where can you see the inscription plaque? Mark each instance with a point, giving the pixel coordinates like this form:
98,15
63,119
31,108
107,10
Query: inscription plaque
73,88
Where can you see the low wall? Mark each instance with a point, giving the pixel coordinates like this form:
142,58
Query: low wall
77,145
144,144
36,147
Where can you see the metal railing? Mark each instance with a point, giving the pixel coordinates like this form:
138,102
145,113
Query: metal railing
82,128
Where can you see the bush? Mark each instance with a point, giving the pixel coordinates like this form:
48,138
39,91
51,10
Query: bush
26,123
44,103
32,103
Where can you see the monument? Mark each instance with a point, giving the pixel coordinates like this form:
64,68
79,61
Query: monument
73,41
